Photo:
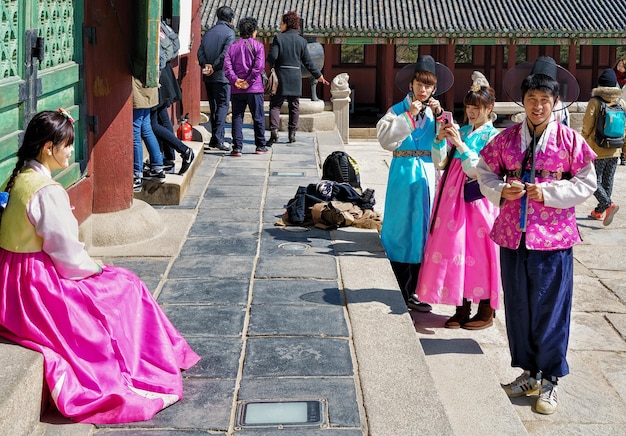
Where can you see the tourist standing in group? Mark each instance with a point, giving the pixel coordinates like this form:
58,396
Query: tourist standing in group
110,354
287,52
461,264
244,62
537,171
609,94
620,73
408,129
211,56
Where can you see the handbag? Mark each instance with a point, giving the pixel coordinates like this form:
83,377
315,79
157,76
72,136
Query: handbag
271,88
471,191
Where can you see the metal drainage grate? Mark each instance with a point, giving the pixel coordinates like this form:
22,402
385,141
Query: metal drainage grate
282,413
288,174
294,246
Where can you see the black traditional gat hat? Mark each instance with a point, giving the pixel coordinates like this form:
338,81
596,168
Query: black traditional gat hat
569,89
445,79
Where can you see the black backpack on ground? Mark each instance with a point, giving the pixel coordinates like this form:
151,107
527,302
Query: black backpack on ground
341,167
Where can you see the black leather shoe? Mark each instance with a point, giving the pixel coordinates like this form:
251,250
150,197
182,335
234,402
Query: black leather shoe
273,138
292,136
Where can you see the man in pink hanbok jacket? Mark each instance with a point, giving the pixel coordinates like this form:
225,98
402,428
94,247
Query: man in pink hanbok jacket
536,172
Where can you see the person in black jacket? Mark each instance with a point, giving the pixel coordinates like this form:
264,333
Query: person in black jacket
287,52
211,55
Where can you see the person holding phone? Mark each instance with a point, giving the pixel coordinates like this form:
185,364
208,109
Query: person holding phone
408,129
460,263
536,227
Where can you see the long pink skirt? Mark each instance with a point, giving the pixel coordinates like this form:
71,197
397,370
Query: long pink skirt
460,260
111,355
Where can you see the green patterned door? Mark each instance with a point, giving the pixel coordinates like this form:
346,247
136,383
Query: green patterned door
40,66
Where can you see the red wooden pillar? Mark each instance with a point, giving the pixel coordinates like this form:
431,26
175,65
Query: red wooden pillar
107,186
190,73
385,82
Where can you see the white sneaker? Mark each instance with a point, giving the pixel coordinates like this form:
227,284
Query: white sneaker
523,385
548,399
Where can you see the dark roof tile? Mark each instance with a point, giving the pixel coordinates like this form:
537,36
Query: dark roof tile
425,18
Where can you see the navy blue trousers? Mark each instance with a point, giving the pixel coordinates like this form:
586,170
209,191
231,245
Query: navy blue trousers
538,287
218,95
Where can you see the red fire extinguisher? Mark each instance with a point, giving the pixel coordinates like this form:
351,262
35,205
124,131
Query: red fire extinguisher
185,131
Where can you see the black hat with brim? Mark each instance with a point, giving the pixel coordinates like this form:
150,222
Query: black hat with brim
569,89
445,78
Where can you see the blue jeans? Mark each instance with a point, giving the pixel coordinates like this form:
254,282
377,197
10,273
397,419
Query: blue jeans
255,102
142,129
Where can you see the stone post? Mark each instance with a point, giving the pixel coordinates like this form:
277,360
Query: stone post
340,98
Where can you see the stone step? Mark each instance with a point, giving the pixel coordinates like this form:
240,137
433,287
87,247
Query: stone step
172,191
466,381
21,386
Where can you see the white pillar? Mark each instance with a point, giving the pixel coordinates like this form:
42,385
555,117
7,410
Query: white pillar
340,98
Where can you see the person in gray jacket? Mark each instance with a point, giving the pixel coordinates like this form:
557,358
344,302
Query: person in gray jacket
211,55
287,52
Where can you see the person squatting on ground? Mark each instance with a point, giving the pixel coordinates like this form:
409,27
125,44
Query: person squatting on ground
607,158
461,263
408,129
244,61
211,56
287,52
110,353
536,172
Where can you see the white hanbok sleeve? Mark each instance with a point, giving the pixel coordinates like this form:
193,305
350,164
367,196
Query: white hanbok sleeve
50,212
393,129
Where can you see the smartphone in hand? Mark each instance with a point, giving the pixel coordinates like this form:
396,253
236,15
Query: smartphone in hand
517,184
446,117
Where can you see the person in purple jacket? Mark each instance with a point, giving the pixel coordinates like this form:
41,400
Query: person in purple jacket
243,64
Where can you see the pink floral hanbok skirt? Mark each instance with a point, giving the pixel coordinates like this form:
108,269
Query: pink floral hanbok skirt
110,353
460,260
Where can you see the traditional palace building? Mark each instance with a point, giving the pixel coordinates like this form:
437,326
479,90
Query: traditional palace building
372,39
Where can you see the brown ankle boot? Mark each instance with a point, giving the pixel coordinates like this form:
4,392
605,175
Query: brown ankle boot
483,318
461,316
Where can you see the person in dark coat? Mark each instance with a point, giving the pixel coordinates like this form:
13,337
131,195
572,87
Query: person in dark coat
287,52
211,55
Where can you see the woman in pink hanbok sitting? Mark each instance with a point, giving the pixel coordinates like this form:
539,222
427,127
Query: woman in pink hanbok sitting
110,353
461,263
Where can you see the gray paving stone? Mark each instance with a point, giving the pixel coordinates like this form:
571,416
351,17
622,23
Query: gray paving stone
243,179
235,172
206,320
297,321
312,267
206,406
219,247
297,357
306,292
210,229
230,214
233,191
340,393
302,431
239,202
219,357
150,271
277,242
215,291
212,266
591,331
